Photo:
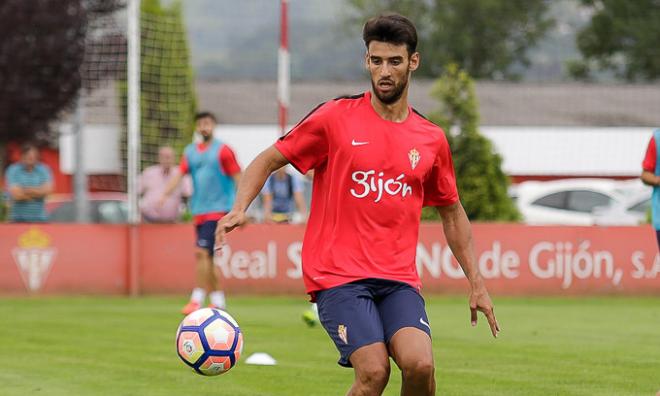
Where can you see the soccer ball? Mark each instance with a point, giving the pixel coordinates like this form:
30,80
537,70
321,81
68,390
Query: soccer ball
210,341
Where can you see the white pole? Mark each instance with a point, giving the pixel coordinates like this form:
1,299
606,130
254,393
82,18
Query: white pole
283,68
81,202
133,111
133,124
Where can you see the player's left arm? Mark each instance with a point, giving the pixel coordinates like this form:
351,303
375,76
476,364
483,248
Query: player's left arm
459,237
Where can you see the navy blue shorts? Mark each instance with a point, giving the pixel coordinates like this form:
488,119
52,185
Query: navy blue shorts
206,235
368,311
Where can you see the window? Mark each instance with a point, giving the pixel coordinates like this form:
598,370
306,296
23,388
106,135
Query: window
585,201
110,212
64,213
556,200
641,207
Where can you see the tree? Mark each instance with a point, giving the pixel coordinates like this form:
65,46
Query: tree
482,185
42,55
41,51
487,38
622,37
167,92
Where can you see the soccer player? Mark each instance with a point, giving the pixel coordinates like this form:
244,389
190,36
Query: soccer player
651,176
153,181
215,173
377,162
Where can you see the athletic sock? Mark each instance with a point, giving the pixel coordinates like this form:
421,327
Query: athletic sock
198,295
217,299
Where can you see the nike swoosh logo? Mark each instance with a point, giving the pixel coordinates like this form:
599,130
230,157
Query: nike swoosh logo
354,143
421,320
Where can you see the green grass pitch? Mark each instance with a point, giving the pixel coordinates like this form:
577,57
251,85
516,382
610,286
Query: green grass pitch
93,346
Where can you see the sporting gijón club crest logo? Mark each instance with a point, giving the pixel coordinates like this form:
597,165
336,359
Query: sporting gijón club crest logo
413,156
34,258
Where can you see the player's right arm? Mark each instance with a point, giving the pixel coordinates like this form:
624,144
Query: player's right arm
16,192
251,183
650,179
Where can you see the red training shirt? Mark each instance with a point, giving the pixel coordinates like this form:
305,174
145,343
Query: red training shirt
230,166
371,179
649,159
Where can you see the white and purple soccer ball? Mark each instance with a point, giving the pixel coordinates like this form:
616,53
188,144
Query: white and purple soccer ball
210,341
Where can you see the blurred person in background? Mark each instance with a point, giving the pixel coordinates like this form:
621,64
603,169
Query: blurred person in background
152,184
215,172
651,176
377,162
28,183
281,196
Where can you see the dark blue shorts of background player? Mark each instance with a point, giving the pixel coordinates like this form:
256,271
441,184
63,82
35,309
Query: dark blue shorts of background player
206,235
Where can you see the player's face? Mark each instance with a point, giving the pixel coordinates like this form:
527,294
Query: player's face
166,157
205,127
30,158
390,67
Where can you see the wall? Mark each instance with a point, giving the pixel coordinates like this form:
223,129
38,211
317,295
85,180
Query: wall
515,259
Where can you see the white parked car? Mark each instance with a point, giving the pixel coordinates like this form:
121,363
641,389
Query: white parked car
582,202
634,210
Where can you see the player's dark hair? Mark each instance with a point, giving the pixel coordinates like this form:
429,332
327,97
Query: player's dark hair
205,114
27,147
391,28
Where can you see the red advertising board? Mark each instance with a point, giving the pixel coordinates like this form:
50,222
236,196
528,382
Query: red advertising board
515,259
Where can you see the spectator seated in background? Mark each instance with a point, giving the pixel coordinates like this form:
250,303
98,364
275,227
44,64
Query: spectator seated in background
281,195
152,184
28,183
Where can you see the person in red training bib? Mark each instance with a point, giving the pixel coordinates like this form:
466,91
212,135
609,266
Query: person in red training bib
376,163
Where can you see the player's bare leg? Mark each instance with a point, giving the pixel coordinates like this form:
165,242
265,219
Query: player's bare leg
201,287
211,278
371,364
412,351
210,282
201,256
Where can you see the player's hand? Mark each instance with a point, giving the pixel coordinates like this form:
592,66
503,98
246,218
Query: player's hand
480,301
226,224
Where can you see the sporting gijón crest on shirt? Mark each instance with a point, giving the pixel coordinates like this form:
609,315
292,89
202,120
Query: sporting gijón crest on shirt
372,177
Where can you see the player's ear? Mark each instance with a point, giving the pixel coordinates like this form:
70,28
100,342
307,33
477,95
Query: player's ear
414,62
366,60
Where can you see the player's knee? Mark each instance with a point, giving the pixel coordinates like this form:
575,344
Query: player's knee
418,370
374,376
201,253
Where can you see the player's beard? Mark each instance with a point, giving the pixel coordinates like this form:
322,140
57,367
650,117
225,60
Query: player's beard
206,138
393,95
